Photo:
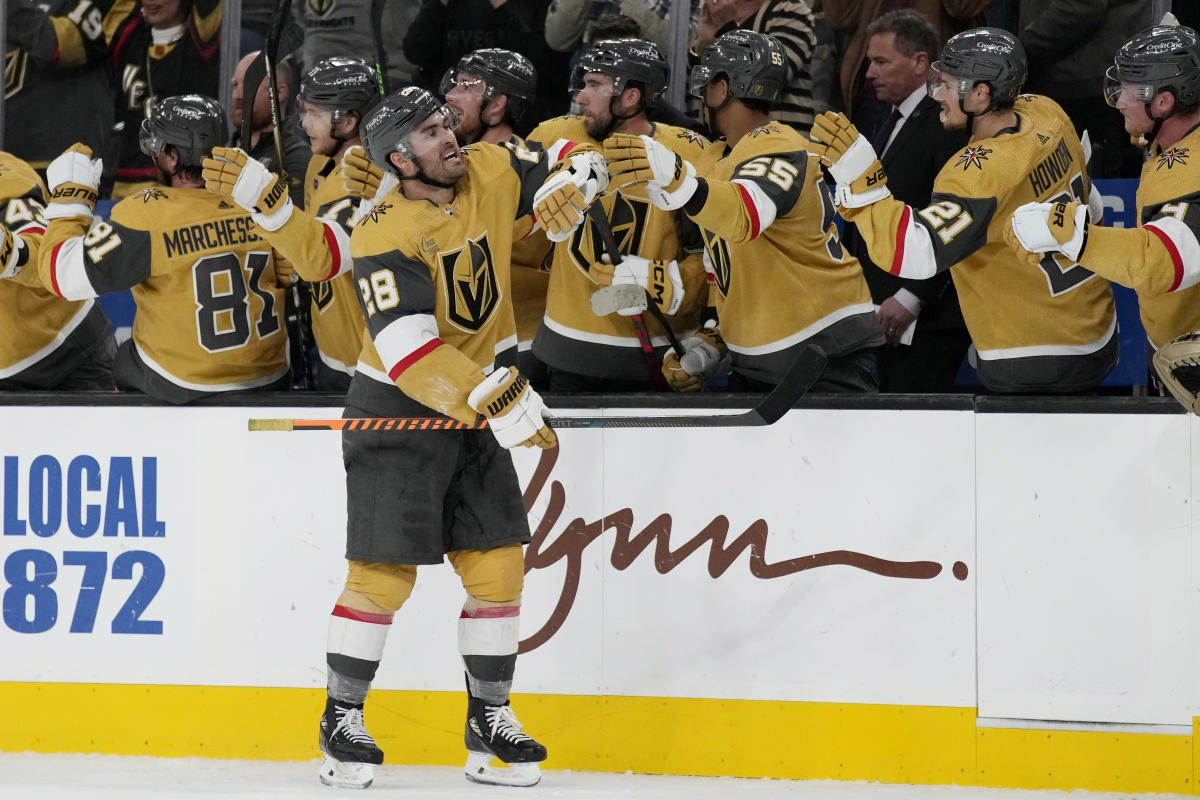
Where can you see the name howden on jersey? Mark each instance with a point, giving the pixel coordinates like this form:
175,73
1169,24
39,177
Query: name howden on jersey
1052,169
211,235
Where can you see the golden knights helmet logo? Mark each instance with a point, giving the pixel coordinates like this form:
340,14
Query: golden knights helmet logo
472,290
628,221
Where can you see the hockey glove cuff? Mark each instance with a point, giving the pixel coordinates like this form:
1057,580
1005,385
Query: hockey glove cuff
1048,228
74,181
661,279
232,173
559,204
670,180
514,410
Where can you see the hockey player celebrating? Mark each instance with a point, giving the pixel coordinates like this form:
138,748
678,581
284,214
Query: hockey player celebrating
48,342
1155,84
335,95
616,83
209,313
1044,327
782,280
431,263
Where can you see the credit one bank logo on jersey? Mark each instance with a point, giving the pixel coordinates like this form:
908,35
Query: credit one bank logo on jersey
60,524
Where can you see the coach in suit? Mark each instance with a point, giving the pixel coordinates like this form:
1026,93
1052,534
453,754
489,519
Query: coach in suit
913,147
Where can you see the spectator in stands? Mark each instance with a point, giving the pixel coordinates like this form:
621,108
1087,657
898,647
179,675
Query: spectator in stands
54,60
46,343
570,24
1044,327
445,31
850,20
913,147
172,47
261,144
1069,44
346,27
208,310
792,23
335,96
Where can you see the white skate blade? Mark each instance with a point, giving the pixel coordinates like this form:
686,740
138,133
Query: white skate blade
627,297
346,774
480,770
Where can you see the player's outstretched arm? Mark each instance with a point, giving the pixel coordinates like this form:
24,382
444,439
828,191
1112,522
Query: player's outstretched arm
73,179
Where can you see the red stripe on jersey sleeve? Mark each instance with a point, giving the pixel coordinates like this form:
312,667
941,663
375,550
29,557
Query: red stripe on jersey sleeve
1173,251
334,250
491,612
755,222
414,357
361,616
901,235
54,269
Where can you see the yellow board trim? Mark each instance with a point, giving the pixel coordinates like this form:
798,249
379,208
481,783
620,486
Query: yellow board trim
685,736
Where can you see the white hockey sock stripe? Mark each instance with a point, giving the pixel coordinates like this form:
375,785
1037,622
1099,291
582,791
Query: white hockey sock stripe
489,631
358,634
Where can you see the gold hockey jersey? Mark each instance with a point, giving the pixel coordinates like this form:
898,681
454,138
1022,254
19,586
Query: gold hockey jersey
782,277
1050,327
434,283
34,322
1161,258
209,314
573,338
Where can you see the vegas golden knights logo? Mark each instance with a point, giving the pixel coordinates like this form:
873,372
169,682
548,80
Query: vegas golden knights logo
319,8
628,222
472,291
15,61
718,254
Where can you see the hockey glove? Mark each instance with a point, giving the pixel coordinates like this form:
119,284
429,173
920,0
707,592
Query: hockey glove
670,180
74,181
1178,364
10,254
514,410
1038,228
706,356
560,204
660,278
360,177
857,173
285,271
231,173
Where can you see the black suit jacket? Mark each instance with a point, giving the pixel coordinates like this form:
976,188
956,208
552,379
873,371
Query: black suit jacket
917,154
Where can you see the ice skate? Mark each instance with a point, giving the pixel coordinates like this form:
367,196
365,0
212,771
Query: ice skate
493,732
350,752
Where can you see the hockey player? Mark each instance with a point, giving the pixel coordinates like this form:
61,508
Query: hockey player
431,262
782,280
335,96
490,90
615,84
47,342
1048,327
1155,84
208,310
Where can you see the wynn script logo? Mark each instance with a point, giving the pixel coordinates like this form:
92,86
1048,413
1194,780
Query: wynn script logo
575,536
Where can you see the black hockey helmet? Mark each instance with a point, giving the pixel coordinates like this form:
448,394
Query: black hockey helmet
502,72
342,85
387,128
191,123
984,55
754,64
1162,58
626,61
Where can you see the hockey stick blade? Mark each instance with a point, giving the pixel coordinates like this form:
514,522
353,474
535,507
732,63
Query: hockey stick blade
799,378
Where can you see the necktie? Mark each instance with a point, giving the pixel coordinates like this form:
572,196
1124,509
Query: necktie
880,139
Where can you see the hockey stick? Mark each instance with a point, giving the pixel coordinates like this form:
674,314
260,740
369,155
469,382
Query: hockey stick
270,54
799,378
380,56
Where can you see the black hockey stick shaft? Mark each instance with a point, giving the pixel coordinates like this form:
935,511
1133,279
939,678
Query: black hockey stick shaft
380,53
614,255
279,18
799,378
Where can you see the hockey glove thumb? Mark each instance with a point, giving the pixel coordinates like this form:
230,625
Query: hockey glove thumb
232,173
359,176
1048,228
514,410
661,279
857,173
74,182
559,204
670,180
705,356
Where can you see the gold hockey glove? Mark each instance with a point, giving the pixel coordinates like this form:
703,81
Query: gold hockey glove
857,173
74,181
231,173
10,254
670,180
514,410
560,203
359,176
1178,364
1038,228
706,356
661,279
